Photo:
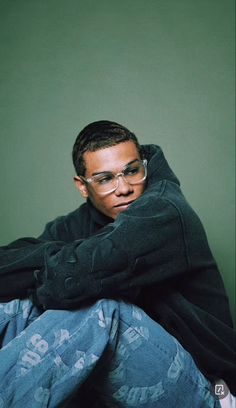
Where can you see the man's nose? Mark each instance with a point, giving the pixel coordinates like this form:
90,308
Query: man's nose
124,187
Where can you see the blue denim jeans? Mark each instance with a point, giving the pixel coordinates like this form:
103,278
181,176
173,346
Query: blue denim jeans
110,354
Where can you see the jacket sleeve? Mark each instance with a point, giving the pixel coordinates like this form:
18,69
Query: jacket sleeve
20,259
145,245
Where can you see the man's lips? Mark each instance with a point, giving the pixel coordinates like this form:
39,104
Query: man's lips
124,204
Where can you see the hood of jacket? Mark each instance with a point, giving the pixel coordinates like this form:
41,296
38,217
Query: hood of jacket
158,167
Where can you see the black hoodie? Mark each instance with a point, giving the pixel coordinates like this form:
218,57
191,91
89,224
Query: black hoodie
155,254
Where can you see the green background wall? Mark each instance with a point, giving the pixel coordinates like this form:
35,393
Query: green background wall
163,68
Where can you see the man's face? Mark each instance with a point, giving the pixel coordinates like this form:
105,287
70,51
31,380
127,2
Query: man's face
111,159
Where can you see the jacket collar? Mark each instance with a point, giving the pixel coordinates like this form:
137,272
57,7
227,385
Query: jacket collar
97,216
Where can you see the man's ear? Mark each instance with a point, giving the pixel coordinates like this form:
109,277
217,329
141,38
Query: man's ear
81,186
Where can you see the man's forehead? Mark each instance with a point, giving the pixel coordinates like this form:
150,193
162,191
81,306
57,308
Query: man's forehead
112,158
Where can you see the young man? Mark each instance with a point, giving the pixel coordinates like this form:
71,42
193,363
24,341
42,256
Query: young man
135,248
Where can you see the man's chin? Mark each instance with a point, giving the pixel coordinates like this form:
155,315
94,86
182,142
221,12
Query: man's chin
119,210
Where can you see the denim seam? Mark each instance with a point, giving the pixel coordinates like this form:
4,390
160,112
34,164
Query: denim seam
186,375
10,316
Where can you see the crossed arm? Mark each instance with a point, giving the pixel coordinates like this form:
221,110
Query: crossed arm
144,245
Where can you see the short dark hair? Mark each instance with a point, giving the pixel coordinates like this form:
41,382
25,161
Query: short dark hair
99,135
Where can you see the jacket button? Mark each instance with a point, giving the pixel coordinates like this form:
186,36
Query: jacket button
69,283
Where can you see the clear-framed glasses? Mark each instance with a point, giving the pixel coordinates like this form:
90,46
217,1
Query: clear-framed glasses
107,182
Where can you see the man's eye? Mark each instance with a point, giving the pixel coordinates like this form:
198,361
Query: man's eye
131,171
104,179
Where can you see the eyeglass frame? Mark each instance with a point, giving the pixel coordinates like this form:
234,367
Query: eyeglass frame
120,174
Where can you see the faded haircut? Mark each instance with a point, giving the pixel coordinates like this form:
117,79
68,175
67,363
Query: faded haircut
99,135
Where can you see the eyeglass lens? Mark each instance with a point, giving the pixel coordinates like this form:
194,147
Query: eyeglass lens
133,174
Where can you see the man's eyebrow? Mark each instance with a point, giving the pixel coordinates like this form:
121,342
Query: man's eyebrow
110,172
